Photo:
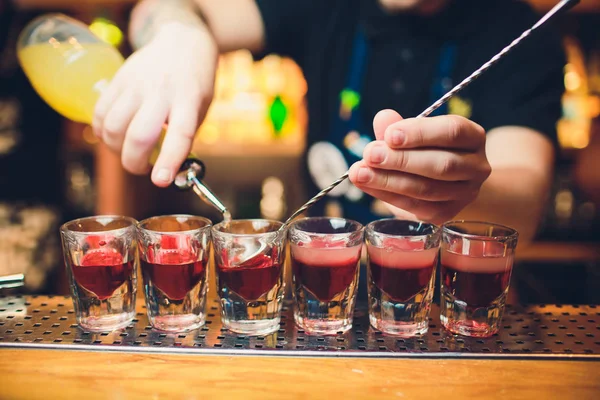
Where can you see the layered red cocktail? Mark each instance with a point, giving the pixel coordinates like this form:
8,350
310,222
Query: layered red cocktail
402,257
325,254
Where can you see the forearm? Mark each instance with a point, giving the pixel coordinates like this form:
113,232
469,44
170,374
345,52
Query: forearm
234,24
514,197
516,192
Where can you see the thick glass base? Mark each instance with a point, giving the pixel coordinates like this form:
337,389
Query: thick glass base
106,323
255,317
252,327
399,328
460,318
323,326
468,327
401,318
177,323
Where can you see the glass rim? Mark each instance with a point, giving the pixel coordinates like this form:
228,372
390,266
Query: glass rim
294,224
191,216
216,227
513,233
436,228
64,228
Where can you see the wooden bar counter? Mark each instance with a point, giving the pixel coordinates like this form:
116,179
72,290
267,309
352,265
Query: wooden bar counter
55,374
39,373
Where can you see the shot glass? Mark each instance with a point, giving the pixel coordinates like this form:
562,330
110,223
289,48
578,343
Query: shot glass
325,254
174,253
249,256
402,258
476,265
101,259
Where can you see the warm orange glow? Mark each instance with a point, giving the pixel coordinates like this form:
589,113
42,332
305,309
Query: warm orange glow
574,128
244,92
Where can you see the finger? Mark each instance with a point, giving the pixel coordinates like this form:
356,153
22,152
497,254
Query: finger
382,120
435,212
143,134
103,106
415,186
117,120
430,163
447,131
177,144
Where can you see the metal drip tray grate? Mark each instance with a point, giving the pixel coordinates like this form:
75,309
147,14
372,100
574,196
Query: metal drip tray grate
548,331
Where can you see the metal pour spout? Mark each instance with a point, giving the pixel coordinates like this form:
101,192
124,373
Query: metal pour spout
190,176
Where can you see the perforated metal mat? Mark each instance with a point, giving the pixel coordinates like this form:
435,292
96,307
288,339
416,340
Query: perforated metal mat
540,331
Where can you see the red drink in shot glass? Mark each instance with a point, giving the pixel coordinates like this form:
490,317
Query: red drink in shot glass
174,253
402,256
325,254
249,256
476,265
101,260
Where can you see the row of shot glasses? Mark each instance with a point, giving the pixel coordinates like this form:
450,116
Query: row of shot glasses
475,263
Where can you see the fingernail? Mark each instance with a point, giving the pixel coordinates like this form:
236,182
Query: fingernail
163,175
377,155
398,138
364,175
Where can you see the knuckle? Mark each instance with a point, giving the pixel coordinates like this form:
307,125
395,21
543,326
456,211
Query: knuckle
185,131
199,95
447,167
486,171
140,140
401,162
418,136
425,190
112,131
367,151
480,131
479,136
483,169
185,125
455,124
114,147
386,182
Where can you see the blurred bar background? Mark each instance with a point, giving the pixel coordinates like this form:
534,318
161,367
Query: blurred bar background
53,170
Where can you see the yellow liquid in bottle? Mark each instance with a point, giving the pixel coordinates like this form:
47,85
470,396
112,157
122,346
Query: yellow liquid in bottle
70,76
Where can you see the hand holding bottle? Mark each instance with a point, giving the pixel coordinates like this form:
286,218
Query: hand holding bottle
169,80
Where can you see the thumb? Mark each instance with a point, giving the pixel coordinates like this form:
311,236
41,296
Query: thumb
382,120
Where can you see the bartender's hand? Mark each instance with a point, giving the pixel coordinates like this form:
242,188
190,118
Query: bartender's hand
171,79
427,168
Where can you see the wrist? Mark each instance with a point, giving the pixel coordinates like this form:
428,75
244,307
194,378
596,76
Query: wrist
153,19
